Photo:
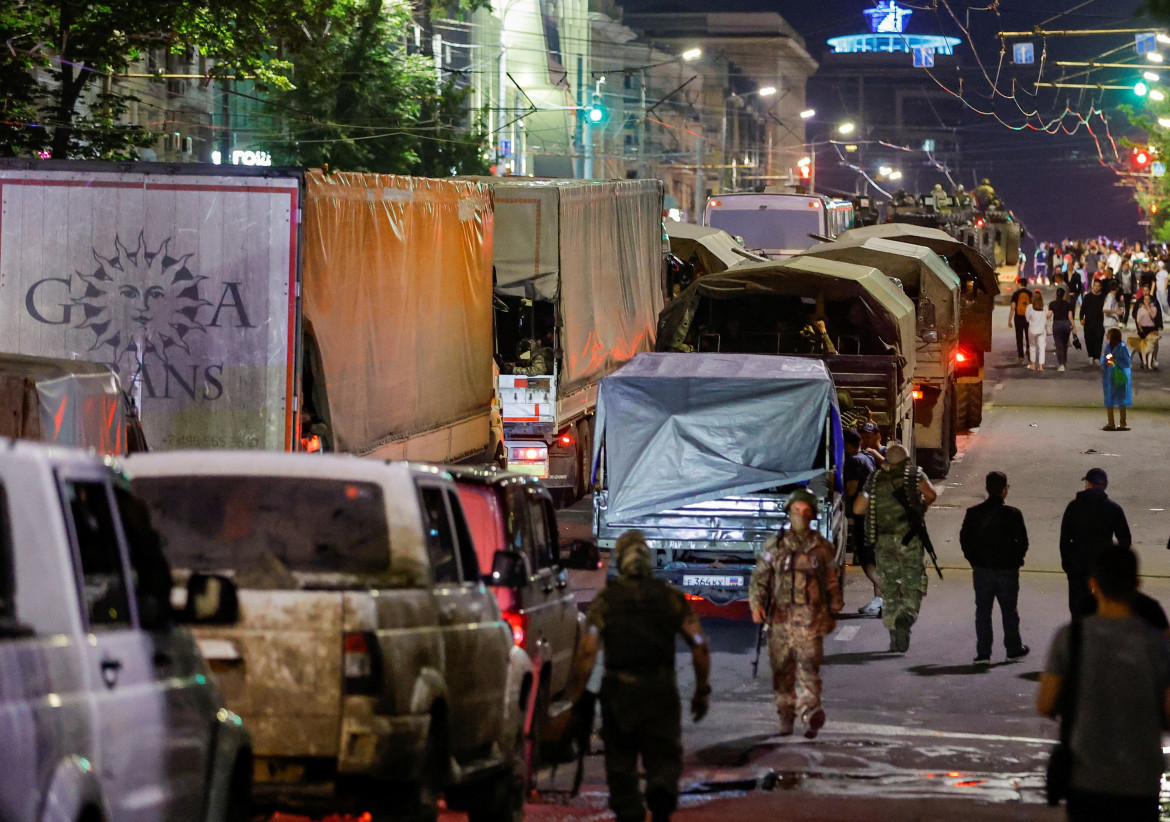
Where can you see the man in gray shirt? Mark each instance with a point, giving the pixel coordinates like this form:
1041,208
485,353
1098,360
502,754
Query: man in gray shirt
1122,697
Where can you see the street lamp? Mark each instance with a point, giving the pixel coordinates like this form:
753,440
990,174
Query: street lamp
807,113
1152,76
1154,57
1164,122
690,55
846,128
1157,96
767,91
1163,37
895,175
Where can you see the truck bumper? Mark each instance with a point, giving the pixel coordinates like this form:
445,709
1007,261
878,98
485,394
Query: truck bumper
386,747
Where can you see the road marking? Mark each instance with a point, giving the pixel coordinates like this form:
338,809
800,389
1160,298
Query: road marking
847,633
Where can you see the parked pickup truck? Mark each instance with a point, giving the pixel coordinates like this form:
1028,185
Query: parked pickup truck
701,451
369,656
107,711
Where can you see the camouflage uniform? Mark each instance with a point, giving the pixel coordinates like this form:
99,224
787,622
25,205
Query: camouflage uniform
901,567
798,576
638,618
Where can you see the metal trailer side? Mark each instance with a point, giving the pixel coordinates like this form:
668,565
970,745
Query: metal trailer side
592,250
927,280
184,279
398,315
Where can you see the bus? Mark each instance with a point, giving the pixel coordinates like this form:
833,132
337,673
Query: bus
777,225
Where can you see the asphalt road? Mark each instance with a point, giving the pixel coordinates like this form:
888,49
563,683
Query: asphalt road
927,735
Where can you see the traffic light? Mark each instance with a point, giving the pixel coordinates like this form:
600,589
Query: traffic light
596,111
1141,89
1139,158
805,172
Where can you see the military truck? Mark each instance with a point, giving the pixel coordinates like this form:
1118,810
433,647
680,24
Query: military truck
979,219
868,342
701,451
929,282
976,305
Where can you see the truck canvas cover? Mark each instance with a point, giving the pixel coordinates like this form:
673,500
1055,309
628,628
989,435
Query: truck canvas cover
62,402
594,248
182,278
937,241
715,248
680,429
398,298
921,272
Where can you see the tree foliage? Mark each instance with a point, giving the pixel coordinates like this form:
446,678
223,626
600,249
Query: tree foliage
337,75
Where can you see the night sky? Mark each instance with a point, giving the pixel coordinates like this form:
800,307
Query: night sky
1055,183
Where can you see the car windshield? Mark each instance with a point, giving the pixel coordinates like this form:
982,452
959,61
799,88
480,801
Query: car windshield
771,228
267,529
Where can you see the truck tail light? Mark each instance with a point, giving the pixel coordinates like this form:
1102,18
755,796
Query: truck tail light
960,356
917,392
360,663
566,438
519,624
528,453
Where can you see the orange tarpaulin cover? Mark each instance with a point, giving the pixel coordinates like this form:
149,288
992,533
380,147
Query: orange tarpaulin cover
397,290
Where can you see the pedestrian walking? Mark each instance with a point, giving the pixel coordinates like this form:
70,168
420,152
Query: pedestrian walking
1061,312
1093,320
1108,676
636,618
1021,299
1116,379
1160,278
1036,317
1148,320
1091,523
894,502
1113,307
796,592
858,466
994,540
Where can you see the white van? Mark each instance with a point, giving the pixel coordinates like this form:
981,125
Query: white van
779,225
107,710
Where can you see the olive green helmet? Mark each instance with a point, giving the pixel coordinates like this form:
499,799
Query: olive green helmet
802,495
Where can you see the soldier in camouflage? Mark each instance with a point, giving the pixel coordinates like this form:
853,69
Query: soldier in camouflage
637,617
796,589
901,564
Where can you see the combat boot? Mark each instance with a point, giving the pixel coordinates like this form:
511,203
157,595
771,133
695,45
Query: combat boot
786,724
902,634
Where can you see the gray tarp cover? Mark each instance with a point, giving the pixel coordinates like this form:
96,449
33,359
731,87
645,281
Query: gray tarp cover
79,403
679,429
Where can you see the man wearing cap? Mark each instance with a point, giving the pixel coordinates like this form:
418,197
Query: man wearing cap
871,441
900,554
796,590
1091,523
637,617
859,465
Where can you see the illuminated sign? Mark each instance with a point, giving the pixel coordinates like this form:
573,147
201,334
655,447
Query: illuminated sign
244,158
887,17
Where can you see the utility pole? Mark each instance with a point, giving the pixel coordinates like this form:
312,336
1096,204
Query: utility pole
642,124
700,183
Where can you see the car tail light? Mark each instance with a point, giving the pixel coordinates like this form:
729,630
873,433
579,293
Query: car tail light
694,598
360,663
519,625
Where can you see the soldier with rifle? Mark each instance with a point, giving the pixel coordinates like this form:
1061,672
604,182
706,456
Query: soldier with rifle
894,503
796,595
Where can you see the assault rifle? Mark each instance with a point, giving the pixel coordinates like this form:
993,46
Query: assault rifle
917,529
760,633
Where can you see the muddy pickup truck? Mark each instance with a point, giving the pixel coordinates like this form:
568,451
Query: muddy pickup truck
370,660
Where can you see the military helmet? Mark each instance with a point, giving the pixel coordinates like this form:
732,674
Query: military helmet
802,495
633,555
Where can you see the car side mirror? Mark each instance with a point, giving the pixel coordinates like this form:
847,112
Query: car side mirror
509,570
211,600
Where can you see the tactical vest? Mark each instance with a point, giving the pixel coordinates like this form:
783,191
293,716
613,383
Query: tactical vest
641,621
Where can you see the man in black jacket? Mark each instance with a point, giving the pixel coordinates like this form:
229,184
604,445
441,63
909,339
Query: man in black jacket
1093,321
994,541
1091,523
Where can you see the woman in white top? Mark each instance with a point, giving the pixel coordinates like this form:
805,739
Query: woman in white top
1037,318
1113,309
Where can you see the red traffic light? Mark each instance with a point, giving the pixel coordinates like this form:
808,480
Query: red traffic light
1139,158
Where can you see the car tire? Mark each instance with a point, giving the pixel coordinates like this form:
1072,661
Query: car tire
533,755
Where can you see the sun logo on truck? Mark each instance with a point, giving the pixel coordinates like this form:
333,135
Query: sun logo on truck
140,301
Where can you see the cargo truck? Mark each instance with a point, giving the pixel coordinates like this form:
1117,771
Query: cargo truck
260,307
578,287
700,452
869,343
976,304
934,289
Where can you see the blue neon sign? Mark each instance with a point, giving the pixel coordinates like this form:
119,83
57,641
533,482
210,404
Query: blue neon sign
887,17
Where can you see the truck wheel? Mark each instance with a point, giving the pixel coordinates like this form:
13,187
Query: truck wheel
584,457
936,462
952,414
969,405
422,798
1011,243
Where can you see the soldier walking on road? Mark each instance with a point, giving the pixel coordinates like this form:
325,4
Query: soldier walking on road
994,541
796,590
637,617
894,501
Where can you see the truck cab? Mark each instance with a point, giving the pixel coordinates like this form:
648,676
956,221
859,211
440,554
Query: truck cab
701,451
779,225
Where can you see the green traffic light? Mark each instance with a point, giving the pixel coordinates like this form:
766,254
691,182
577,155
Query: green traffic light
1141,89
595,115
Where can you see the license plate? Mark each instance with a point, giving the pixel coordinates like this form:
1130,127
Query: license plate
703,580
